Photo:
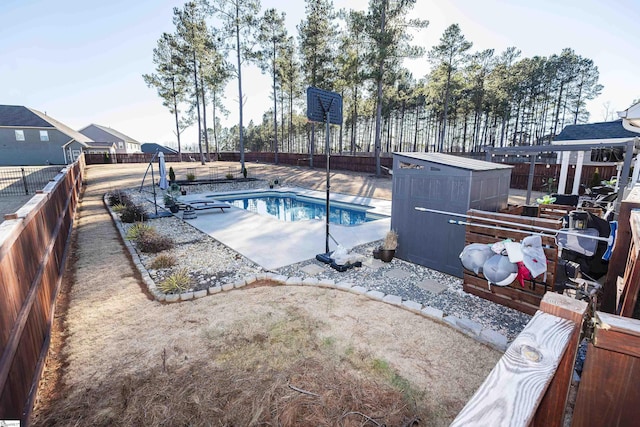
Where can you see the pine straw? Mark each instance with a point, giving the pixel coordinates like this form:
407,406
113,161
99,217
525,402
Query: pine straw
311,392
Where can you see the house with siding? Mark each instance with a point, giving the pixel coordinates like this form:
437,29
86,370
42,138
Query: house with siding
29,137
124,144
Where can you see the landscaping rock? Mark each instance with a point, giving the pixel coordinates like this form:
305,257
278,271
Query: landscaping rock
392,299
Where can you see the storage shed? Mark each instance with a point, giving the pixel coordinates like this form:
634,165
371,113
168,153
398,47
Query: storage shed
446,183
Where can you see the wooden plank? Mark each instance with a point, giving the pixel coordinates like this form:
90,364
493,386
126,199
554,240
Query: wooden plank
608,394
631,284
511,393
501,299
481,282
619,334
563,306
621,246
552,408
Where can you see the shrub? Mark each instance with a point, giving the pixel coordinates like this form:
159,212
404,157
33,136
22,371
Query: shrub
245,172
138,229
152,242
390,240
172,174
133,213
118,198
117,208
191,176
163,261
595,179
229,175
176,283
169,200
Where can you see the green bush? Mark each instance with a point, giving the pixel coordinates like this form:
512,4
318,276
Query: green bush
172,174
163,261
245,172
176,283
152,242
138,229
229,175
133,213
191,177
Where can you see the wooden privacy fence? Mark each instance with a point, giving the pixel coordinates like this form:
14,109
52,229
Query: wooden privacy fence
364,163
529,385
33,248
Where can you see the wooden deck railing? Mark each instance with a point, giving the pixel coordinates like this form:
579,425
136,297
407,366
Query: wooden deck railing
33,248
529,385
527,298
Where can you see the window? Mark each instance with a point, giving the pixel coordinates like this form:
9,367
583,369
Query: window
44,135
120,145
19,135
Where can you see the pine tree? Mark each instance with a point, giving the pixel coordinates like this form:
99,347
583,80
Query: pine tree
169,83
271,36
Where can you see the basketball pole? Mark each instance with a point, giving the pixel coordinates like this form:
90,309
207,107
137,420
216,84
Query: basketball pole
328,177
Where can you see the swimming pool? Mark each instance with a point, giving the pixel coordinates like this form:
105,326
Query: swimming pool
290,207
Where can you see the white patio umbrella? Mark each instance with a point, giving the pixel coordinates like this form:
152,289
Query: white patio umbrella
163,172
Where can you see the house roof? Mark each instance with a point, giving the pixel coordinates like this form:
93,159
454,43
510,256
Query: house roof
121,136
455,161
20,117
152,147
602,130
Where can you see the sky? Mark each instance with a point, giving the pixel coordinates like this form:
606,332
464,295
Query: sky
81,61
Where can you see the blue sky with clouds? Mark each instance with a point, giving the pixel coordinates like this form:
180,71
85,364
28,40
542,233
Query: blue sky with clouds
82,61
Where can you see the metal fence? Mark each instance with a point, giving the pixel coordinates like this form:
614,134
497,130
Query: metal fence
25,181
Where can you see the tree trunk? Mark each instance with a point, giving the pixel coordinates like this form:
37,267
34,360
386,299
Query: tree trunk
204,118
240,100
175,110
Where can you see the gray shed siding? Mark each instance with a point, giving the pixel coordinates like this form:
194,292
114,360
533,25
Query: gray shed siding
427,238
31,151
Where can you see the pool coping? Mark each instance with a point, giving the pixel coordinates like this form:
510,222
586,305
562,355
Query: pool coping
268,241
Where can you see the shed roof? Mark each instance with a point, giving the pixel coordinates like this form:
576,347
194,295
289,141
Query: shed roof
602,130
455,161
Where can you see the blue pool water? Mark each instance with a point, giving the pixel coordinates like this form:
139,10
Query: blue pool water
289,208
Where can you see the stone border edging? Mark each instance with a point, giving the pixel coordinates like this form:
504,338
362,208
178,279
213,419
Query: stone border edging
466,326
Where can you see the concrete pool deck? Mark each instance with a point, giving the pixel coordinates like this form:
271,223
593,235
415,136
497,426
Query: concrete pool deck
287,242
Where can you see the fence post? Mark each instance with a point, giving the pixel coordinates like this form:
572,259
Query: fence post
552,407
24,181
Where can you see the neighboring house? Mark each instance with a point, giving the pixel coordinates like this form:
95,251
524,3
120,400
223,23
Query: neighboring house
101,147
124,144
152,147
29,137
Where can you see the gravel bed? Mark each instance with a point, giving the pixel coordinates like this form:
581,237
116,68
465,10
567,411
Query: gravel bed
211,263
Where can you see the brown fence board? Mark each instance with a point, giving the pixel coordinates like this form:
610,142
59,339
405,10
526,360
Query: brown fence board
608,394
32,256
